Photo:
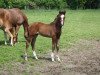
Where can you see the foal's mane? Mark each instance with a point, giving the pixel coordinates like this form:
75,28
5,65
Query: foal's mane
55,21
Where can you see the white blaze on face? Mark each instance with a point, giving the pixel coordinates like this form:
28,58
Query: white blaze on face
62,19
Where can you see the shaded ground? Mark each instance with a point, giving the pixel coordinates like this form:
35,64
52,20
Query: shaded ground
83,58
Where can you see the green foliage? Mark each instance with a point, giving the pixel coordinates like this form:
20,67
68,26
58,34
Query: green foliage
1,3
72,4
50,4
19,3
91,4
94,4
13,3
47,4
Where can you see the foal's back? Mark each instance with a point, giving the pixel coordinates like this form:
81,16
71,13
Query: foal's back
40,28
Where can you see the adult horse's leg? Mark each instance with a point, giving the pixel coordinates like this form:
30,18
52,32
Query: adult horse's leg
5,36
57,48
13,31
53,48
33,44
16,33
10,34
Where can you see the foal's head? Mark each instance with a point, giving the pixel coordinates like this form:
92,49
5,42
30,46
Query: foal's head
61,17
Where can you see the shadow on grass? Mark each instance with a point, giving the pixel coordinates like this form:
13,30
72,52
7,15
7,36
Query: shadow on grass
21,41
40,58
45,58
2,43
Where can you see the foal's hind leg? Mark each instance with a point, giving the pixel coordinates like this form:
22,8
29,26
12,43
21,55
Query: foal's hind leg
33,44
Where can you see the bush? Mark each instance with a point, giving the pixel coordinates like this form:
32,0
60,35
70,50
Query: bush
1,3
60,4
13,3
72,4
19,4
91,4
31,5
50,4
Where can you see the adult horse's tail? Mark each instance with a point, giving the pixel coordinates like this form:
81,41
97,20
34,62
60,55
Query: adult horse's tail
22,20
25,25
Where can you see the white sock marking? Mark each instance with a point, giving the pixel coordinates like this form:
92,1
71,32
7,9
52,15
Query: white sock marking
52,56
58,58
11,41
34,54
5,42
26,56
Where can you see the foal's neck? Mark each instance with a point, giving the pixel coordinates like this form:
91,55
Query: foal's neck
56,23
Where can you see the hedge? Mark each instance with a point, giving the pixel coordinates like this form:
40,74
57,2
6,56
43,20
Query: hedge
50,4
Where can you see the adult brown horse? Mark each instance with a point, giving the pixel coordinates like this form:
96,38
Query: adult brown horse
52,30
11,20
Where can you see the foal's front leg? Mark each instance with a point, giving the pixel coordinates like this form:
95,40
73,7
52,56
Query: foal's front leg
33,46
27,45
53,48
28,40
57,48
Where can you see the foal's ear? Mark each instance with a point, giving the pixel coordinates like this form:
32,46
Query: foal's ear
64,12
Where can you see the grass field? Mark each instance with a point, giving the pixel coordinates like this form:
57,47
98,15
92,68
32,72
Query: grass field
79,24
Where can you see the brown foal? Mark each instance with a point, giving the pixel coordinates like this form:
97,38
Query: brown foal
52,30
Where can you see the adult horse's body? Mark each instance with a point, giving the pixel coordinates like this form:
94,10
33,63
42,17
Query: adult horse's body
52,30
10,21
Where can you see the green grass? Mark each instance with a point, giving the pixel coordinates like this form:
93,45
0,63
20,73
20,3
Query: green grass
79,24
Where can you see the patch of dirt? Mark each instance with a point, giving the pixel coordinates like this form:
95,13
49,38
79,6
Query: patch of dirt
83,58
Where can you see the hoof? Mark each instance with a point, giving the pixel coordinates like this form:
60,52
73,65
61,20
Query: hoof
59,61
36,58
26,59
12,45
52,60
